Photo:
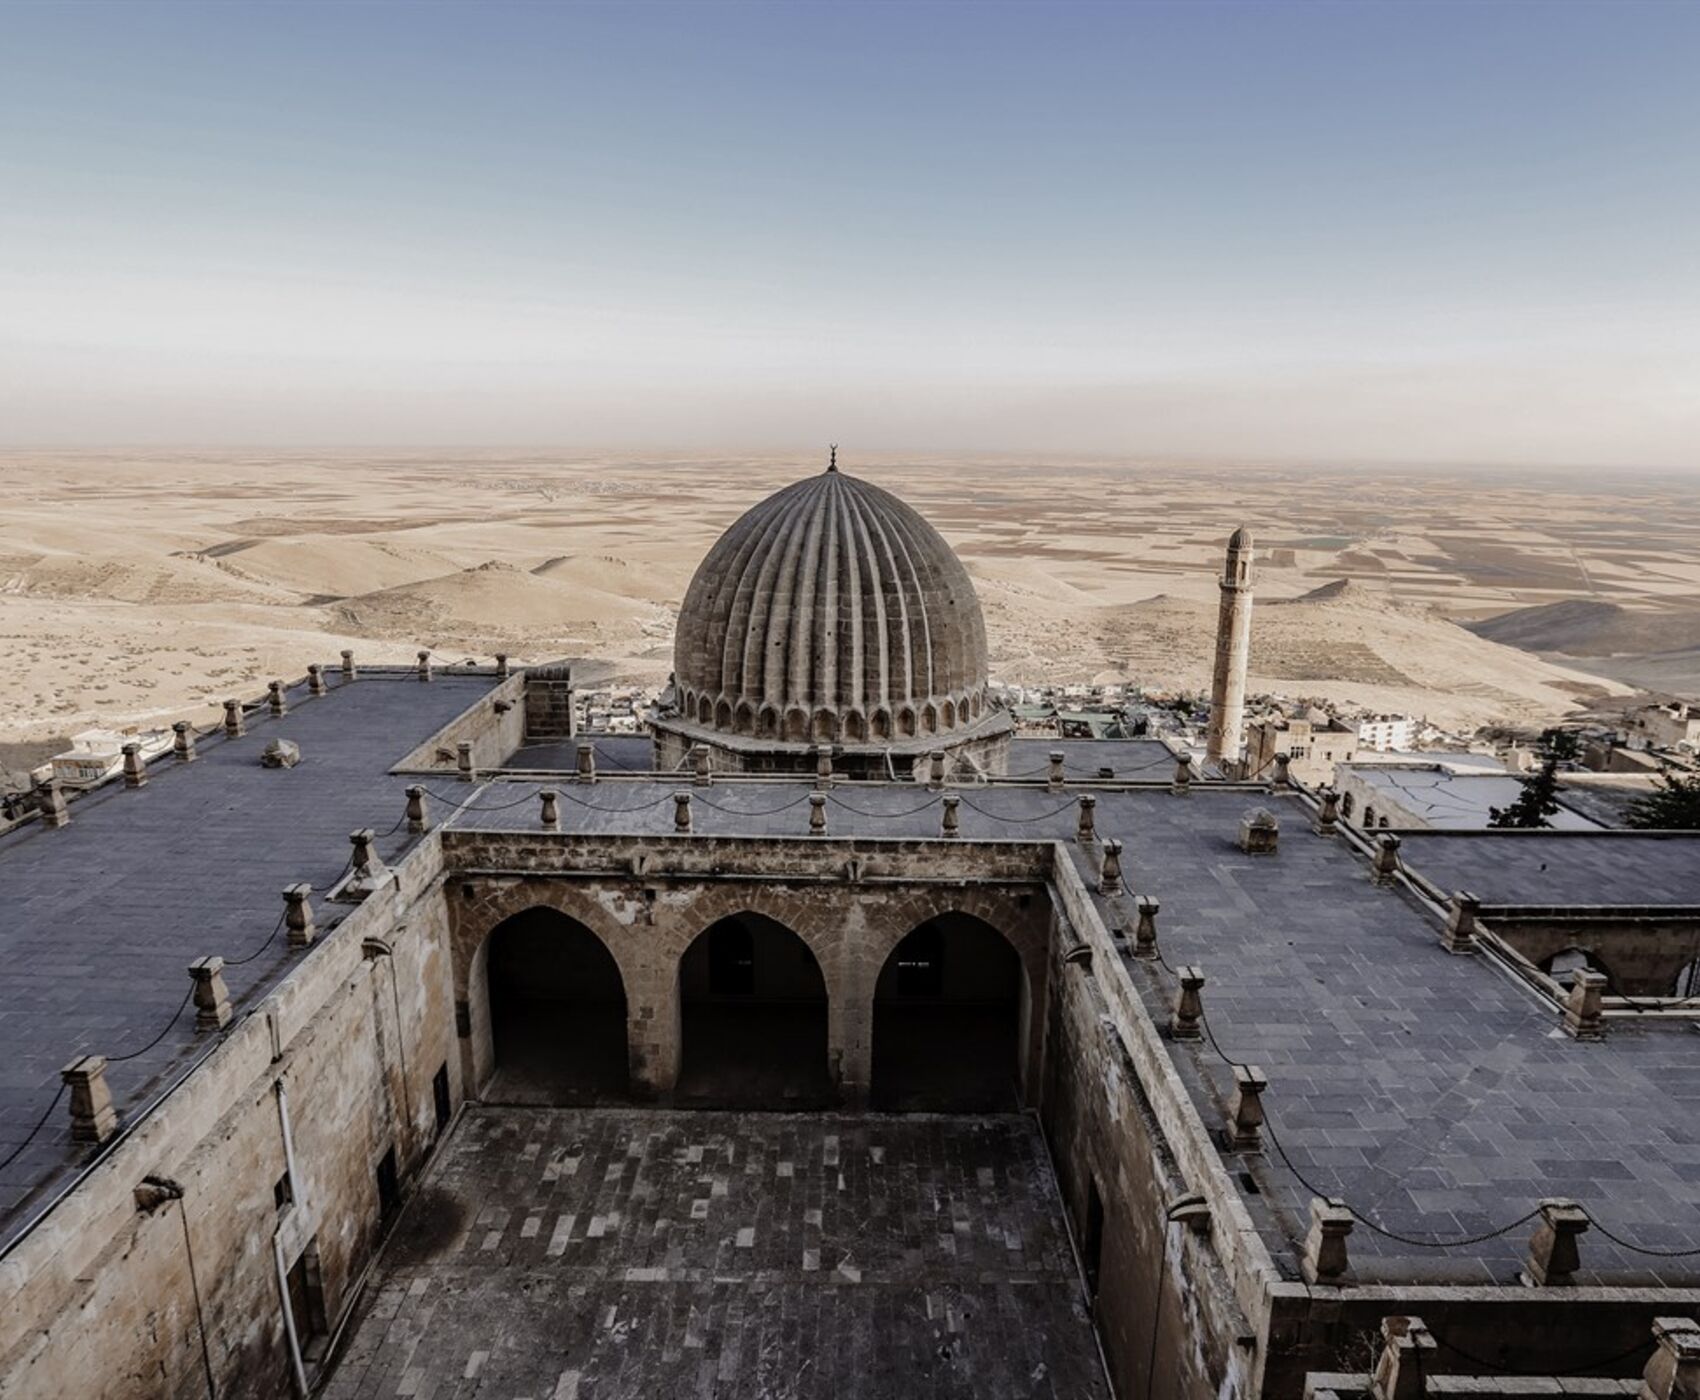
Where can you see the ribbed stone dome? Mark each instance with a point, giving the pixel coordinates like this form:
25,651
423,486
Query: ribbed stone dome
831,612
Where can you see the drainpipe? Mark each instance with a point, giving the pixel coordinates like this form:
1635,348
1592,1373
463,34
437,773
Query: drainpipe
298,1368
288,1137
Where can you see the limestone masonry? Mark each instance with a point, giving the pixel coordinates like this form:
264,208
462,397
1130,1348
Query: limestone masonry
831,1041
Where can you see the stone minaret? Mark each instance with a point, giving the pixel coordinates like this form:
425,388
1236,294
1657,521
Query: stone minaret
1233,652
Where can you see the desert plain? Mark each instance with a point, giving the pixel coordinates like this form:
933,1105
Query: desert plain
142,587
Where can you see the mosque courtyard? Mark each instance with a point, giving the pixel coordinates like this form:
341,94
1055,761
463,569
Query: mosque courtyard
645,1253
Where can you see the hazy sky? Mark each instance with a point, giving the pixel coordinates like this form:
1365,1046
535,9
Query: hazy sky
1446,230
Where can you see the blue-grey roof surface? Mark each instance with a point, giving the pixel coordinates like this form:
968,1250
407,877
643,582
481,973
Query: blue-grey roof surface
628,753
1143,760
1456,801
1433,1092
100,920
1430,1091
1534,867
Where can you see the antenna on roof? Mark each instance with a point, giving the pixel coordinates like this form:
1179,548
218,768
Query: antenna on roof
832,461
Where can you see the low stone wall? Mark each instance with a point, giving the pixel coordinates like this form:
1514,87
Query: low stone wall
494,725
1642,951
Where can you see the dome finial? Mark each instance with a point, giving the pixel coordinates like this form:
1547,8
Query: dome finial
832,461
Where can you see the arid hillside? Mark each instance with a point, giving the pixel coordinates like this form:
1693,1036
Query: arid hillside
145,587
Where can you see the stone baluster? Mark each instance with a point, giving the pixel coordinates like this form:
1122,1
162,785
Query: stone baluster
298,914
1325,1258
1187,1019
93,1118
1086,829
1110,869
1554,1256
951,823
212,997
1145,932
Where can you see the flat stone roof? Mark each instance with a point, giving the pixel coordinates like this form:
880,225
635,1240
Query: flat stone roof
1537,867
619,753
1435,1093
651,1253
102,918
1143,760
1457,801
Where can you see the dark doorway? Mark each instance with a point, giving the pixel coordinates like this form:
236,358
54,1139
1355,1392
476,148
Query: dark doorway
1092,1239
307,1302
752,1007
947,1021
557,1013
440,1101
389,1185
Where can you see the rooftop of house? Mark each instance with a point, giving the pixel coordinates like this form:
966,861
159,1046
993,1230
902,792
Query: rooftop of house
1451,800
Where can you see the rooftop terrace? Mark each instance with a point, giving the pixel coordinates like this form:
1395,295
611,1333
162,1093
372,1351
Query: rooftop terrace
1433,1092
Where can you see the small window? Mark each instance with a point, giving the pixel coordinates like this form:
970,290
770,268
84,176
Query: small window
440,1095
389,1185
283,1192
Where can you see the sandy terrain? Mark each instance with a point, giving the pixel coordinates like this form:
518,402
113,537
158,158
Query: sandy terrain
146,586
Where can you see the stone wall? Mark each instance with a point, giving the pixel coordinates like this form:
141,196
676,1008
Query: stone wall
494,725
98,1300
549,712
648,919
1641,951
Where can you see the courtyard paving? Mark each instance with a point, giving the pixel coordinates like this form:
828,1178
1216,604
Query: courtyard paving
585,1254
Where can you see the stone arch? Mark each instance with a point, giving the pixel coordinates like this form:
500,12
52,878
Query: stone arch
879,725
825,726
949,1005
1023,919
1346,804
722,715
929,718
546,1006
1566,962
947,714
767,722
906,721
855,726
976,702
744,718
754,1017
796,725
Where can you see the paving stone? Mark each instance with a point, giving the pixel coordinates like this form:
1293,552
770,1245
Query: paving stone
755,1298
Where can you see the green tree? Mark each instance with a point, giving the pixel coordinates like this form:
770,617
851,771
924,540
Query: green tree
1539,798
1674,806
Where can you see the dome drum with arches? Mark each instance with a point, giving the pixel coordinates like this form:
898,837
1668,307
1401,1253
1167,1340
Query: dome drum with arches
831,613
